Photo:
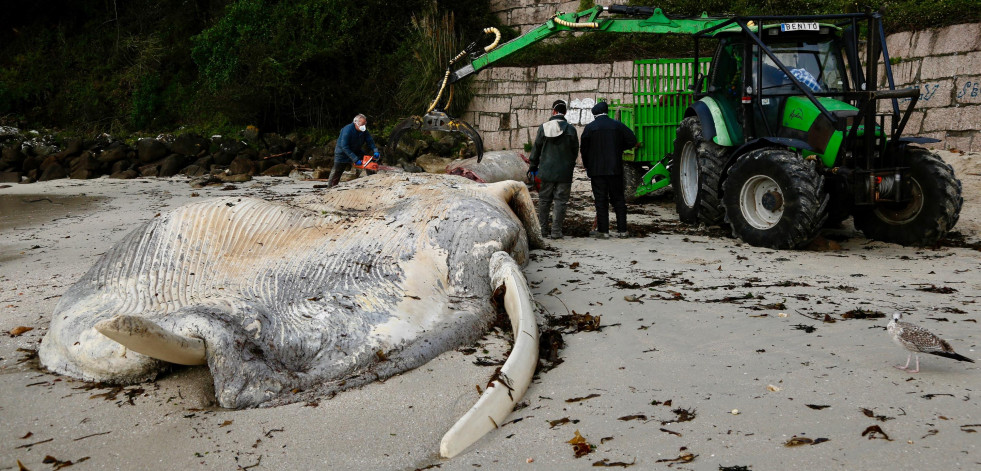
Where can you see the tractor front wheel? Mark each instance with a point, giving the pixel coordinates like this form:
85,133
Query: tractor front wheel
930,213
696,171
773,198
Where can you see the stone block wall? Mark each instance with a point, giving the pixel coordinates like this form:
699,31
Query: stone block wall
525,15
945,65
512,102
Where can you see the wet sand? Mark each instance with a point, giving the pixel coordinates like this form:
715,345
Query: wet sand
34,210
711,354
26,211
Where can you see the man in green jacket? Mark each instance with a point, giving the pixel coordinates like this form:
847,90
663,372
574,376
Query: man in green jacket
552,161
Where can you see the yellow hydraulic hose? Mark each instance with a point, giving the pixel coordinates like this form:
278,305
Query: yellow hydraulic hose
461,55
497,38
569,24
442,87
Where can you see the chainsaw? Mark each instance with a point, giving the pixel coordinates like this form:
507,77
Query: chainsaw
368,163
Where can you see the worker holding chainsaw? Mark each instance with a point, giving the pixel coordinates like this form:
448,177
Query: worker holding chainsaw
552,161
349,147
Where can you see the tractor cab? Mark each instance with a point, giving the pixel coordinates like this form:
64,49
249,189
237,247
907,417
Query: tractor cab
791,131
753,94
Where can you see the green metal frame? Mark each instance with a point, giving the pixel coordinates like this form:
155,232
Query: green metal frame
662,86
589,21
662,93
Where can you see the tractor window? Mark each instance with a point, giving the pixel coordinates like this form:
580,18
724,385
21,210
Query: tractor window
817,65
832,66
727,70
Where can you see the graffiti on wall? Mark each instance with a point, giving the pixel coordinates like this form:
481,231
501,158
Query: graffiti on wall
927,91
579,111
969,90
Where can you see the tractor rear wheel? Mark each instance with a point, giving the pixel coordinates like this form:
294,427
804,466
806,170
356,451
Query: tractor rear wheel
931,212
632,178
773,198
696,173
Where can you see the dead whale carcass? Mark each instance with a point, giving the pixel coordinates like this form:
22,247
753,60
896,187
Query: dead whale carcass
332,290
496,166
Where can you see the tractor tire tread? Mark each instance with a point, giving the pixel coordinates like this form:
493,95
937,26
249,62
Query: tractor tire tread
711,157
937,217
811,203
632,176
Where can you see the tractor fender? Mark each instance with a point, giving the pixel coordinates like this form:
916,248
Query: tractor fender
713,124
784,142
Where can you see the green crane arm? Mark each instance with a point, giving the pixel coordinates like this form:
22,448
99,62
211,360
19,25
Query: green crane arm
654,22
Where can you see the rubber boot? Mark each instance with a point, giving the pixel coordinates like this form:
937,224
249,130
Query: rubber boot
558,217
543,221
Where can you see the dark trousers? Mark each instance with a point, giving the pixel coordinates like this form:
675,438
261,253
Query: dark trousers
558,192
609,189
335,173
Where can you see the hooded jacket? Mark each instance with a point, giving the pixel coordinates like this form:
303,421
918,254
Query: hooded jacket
555,151
603,143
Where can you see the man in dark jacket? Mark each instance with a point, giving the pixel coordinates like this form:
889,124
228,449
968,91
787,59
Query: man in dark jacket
553,160
602,146
349,148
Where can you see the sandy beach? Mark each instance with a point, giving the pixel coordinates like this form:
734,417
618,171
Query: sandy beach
712,354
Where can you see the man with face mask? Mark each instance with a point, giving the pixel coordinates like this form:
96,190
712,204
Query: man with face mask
349,147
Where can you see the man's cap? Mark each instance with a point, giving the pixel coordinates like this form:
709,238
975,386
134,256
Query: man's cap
600,108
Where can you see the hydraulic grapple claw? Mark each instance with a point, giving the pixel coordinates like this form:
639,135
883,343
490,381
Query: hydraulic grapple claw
436,121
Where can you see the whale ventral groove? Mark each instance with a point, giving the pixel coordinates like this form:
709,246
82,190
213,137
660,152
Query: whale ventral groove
287,300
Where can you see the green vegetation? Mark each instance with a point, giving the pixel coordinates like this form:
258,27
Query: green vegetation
433,43
216,66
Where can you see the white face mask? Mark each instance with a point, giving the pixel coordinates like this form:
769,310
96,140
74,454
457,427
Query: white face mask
362,128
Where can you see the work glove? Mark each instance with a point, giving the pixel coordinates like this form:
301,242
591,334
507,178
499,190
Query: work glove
532,173
357,163
377,155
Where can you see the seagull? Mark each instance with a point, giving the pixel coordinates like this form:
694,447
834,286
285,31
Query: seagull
917,340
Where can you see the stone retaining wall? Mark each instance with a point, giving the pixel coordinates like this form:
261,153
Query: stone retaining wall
528,14
511,102
946,65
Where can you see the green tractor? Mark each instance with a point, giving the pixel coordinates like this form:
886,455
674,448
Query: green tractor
790,133
782,132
